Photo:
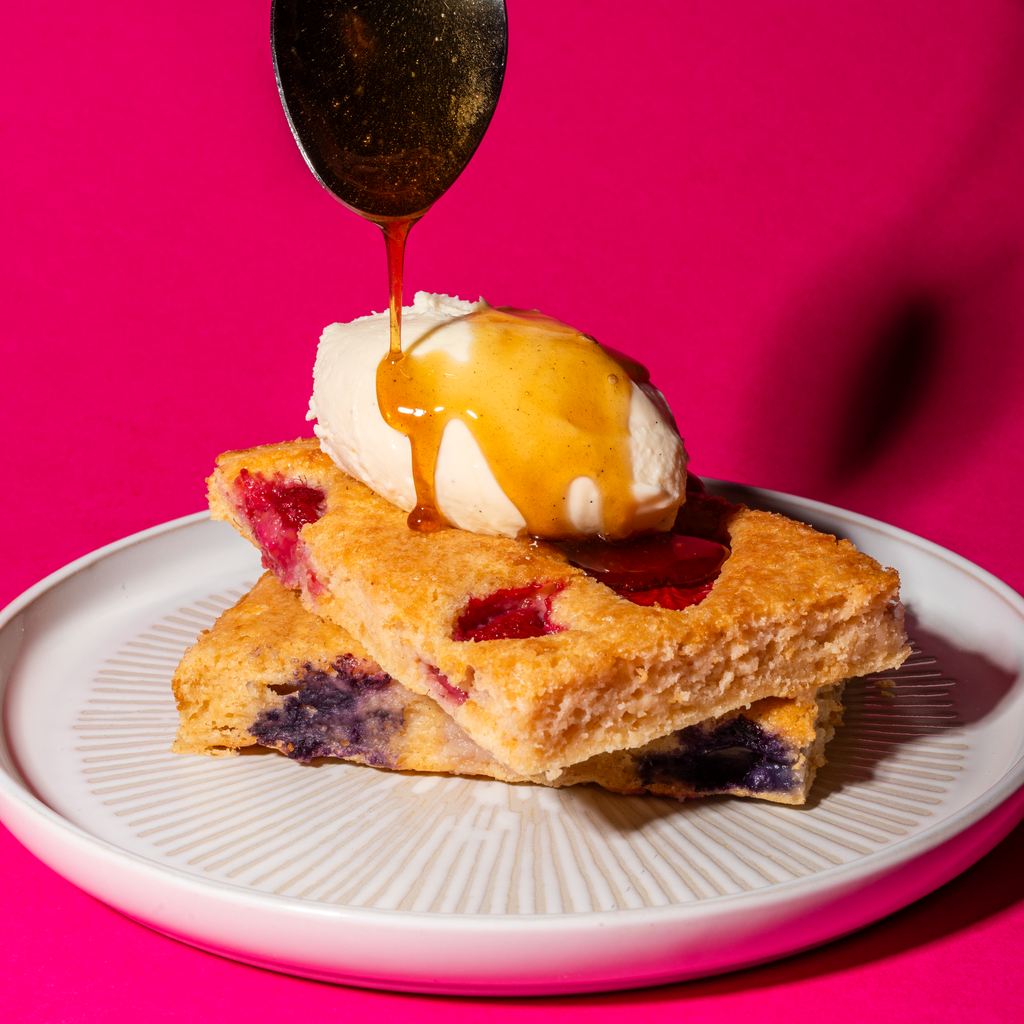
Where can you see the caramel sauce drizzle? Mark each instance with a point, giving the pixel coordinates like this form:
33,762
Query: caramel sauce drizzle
395,234
545,404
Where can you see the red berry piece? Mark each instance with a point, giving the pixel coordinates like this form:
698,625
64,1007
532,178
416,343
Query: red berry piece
669,570
276,510
644,563
509,614
444,690
675,598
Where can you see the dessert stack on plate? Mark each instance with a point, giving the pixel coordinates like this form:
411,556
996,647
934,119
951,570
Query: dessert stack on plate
492,656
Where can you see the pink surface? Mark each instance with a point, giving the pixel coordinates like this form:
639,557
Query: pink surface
807,218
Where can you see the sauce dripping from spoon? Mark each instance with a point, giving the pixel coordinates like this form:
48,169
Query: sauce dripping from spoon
388,102
424,518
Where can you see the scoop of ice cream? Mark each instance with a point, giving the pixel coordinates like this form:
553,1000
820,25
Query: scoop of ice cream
354,434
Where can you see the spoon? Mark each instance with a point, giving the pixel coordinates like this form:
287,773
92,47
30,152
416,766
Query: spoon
388,100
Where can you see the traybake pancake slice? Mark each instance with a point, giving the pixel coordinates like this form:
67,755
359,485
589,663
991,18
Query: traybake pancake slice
792,610
271,674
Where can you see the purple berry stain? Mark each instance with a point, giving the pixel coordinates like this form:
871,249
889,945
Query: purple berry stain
335,712
738,754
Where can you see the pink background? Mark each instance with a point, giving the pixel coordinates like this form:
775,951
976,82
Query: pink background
806,217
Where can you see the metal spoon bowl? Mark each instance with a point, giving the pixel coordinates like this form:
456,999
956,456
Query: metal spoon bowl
388,100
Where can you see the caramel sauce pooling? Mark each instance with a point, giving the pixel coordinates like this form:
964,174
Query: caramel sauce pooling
545,404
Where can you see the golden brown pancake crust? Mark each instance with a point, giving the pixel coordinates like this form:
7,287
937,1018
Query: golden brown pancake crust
234,685
791,611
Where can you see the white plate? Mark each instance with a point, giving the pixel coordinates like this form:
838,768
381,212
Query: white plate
436,884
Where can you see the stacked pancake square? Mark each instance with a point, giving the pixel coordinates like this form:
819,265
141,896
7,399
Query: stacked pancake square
370,637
